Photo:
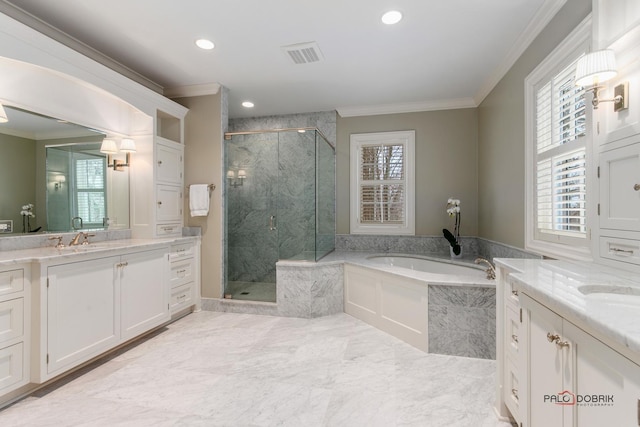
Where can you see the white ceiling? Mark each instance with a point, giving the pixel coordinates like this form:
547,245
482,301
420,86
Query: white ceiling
443,54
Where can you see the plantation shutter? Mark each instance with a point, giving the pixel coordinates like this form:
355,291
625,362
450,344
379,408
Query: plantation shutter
560,177
90,190
382,184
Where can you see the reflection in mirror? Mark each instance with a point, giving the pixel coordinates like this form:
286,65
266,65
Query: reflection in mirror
56,167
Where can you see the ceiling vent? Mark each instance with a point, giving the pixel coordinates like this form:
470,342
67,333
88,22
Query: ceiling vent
303,53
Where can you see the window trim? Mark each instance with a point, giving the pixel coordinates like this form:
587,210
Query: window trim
573,248
356,142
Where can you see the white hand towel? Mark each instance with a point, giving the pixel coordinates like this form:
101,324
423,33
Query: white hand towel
199,199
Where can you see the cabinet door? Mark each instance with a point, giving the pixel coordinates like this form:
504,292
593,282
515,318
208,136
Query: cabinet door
620,188
144,292
606,384
169,163
169,203
82,312
545,365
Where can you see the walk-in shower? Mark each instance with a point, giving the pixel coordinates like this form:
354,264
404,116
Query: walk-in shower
279,204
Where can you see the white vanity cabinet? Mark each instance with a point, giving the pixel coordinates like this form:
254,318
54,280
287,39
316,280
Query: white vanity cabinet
143,292
90,306
82,313
508,348
571,378
184,276
619,208
14,327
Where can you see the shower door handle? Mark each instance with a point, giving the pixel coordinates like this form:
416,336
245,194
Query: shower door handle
272,223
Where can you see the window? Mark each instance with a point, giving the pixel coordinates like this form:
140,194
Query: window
382,183
557,152
90,197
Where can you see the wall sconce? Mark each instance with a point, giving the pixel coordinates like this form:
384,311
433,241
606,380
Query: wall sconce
109,148
59,180
239,181
598,67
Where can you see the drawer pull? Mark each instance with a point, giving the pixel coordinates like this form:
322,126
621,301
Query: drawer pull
182,297
159,162
636,187
555,338
159,202
619,251
514,293
167,228
182,271
514,338
514,393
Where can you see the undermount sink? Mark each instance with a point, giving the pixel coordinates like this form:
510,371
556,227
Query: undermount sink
612,294
82,248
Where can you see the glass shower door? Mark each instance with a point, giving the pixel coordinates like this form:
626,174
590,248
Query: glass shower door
252,220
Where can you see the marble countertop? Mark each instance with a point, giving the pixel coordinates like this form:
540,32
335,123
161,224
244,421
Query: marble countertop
363,259
105,247
563,286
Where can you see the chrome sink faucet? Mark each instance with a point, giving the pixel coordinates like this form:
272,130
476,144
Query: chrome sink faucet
491,270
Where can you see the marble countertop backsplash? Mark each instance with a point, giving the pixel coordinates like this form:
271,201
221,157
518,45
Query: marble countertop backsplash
557,285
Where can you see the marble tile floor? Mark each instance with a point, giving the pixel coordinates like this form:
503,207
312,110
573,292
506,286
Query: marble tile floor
252,291
226,369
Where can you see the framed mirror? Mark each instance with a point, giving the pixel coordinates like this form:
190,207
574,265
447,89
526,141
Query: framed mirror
55,178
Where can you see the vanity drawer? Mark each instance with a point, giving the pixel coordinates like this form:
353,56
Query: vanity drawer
181,297
511,297
169,229
11,281
185,250
11,319
181,271
512,330
511,390
622,250
11,366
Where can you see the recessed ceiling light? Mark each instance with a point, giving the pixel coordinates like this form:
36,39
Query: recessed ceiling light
392,17
205,44
247,104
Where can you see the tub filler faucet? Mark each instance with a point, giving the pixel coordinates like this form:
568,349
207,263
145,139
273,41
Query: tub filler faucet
491,271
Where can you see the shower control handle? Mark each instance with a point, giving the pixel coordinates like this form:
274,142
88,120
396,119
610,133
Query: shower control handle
272,223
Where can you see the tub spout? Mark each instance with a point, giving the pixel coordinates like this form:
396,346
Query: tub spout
491,270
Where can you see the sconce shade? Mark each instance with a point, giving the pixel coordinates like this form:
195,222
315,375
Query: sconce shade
3,115
596,67
127,146
231,174
242,174
108,146
61,178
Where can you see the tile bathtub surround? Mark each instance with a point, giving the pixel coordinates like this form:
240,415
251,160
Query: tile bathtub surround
426,245
215,369
309,289
462,321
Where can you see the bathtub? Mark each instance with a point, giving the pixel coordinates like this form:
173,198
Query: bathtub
428,265
435,305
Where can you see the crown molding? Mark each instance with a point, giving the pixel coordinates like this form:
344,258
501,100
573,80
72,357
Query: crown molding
20,15
406,107
192,90
543,16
